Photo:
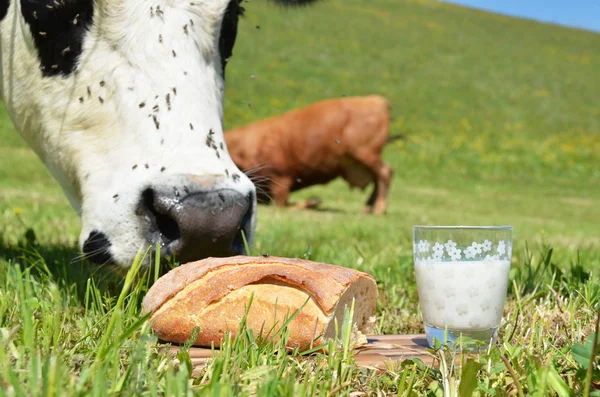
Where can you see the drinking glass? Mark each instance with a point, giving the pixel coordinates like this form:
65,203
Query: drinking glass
462,278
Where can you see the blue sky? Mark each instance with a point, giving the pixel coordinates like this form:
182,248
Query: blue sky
583,14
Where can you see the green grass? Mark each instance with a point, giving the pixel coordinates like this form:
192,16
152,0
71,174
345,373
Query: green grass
503,129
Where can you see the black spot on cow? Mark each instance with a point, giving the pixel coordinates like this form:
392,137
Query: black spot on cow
57,26
97,248
4,4
229,28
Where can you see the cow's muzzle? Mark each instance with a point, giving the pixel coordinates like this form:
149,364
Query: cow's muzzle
196,222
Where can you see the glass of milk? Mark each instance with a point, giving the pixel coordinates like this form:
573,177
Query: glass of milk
462,278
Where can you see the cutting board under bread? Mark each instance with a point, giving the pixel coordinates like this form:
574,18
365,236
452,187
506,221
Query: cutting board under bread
380,351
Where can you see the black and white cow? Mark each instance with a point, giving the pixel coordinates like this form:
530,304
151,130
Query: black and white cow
123,102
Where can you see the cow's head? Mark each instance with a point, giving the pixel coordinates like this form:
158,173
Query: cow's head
123,102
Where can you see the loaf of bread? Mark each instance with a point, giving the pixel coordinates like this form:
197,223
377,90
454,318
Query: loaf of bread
213,294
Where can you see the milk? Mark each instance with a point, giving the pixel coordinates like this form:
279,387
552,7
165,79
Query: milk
462,295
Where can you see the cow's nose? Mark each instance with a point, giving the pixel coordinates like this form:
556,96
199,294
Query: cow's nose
196,225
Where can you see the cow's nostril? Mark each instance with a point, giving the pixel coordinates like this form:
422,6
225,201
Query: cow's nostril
196,225
165,224
167,227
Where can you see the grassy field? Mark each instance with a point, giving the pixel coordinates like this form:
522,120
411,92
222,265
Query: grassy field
503,128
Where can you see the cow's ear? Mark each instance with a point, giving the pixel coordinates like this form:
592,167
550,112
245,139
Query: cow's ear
295,2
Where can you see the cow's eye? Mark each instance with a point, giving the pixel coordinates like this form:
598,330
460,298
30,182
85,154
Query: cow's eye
229,30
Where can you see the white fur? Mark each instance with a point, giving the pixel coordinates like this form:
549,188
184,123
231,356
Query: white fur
90,148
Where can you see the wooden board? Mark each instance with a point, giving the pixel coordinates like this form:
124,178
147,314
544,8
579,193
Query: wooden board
379,352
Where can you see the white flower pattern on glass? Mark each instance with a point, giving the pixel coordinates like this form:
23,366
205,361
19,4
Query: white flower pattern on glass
438,251
487,245
455,254
501,247
450,246
429,251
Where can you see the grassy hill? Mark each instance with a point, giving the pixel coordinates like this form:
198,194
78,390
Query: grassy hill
501,114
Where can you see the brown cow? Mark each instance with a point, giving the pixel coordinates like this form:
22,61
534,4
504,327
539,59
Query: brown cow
314,145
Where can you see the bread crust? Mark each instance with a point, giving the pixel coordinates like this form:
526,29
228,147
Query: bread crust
213,294
313,276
